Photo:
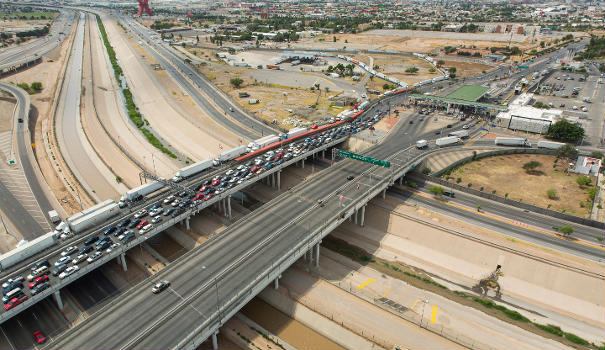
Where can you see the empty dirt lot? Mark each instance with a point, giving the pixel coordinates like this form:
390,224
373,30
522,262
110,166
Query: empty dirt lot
505,174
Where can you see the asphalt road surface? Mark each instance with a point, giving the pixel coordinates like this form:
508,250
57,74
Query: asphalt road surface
246,126
542,231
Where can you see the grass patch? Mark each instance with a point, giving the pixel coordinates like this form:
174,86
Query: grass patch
133,111
550,329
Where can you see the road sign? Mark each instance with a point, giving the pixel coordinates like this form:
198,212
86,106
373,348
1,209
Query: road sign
522,67
370,160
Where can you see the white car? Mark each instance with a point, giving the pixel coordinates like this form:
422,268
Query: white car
156,219
175,203
80,258
112,247
229,172
156,212
63,260
146,229
70,270
465,127
168,199
141,213
94,257
575,108
69,250
584,109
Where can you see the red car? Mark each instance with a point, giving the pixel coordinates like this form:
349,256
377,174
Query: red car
14,302
39,337
208,196
255,168
142,224
198,196
314,126
216,182
38,280
204,188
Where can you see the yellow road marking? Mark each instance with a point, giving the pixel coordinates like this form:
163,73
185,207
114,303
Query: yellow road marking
508,221
371,280
385,294
414,304
434,315
322,78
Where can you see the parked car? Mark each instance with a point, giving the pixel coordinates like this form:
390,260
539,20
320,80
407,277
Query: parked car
160,286
69,271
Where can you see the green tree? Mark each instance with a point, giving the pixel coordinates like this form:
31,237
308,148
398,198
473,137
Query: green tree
36,86
565,130
412,70
441,62
452,70
592,192
566,230
596,154
551,193
236,82
567,151
432,70
583,180
531,166
437,190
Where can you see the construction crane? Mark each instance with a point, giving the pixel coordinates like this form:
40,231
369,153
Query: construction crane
144,7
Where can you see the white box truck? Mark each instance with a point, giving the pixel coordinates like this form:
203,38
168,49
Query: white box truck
27,250
192,169
420,144
512,141
550,144
448,141
54,216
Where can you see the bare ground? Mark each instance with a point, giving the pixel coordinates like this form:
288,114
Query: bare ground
505,174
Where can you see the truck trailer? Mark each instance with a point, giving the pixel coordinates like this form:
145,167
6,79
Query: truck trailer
262,142
192,170
512,141
138,192
296,131
448,141
230,154
54,216
460,133
550,144
27,250
87,218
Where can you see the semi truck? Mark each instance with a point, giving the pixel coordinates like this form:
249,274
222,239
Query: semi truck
230,154
460,133
27,250
87,218
550,144
512,141
448,141
296,131
192,169
262,142
138,192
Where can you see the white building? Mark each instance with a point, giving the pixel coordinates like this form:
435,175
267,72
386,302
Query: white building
527,118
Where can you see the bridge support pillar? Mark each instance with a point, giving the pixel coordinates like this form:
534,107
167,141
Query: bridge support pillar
355,219
123,258
276,282
214,340
323,153
279,180
384,193
187,223
317,254
229,207
302,164
401,181
448,107
58,299
311,255
363,216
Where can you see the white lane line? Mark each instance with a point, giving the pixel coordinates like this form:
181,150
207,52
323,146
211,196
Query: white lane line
7,338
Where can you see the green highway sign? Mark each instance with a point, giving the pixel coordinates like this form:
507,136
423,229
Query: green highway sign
370,160
523,67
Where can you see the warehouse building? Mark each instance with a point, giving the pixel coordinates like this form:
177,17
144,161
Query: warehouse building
527,118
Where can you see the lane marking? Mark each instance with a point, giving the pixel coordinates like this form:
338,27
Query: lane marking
434,315
314,76
7,338
505,220
364,284
414,304
385,294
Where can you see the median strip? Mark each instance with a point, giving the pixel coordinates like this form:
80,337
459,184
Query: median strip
133,111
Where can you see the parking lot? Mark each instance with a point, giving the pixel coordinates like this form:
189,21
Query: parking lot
558,92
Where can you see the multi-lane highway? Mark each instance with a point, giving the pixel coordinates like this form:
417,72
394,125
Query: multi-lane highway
34,49
192,82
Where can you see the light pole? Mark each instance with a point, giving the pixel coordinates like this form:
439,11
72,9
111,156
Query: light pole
424,302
